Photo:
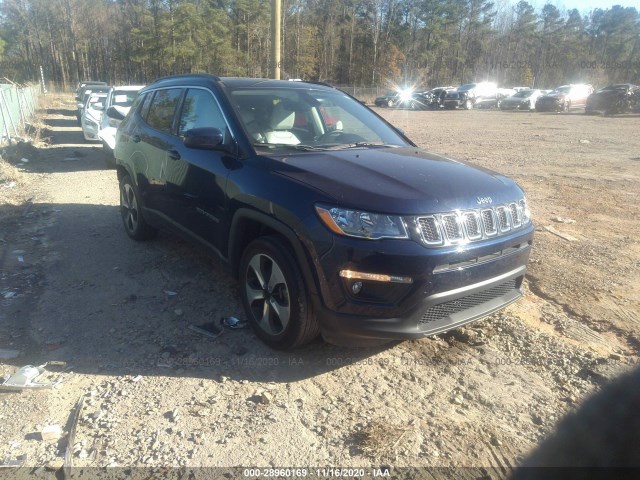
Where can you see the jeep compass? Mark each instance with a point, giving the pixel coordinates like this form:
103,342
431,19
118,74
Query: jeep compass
333,221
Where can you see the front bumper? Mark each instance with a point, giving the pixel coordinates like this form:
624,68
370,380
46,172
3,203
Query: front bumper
549,106
435,314
449,289
514,106
452,103
108,137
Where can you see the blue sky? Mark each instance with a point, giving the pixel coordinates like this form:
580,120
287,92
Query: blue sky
584,5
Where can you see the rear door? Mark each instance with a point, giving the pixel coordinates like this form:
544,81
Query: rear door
154,141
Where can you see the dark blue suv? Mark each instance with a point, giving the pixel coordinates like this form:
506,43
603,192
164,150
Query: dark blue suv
333,221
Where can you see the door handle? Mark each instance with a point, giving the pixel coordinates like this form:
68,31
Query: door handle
173,154
135,138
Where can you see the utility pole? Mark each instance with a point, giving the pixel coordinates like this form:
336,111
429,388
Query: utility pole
275,37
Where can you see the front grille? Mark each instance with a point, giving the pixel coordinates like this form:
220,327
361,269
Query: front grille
443,310
430,230
503,219
489,222
472,225
452,227
516,216
455,228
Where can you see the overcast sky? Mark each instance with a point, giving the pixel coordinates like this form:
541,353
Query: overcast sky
584,6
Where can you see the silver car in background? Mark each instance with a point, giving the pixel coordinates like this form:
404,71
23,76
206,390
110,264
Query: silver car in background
121,99
92,114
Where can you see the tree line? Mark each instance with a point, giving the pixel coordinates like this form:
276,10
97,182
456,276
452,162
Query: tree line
344,42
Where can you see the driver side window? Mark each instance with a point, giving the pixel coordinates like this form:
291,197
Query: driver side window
201,110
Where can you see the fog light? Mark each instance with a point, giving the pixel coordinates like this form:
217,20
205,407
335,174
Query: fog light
356,287
374,277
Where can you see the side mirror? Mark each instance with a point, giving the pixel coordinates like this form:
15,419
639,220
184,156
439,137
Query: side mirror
205,138
114,113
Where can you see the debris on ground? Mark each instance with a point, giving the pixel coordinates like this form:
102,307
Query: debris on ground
563,219
25,378
51,432
564,236
68,455
232,322
209,329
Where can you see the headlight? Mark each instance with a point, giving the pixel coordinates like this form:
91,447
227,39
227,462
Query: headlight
356,223
406,95
526,213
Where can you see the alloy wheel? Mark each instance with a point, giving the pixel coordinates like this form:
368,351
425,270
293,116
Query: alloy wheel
267,294
129,208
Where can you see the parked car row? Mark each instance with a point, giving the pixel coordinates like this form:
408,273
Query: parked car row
94,99
612,99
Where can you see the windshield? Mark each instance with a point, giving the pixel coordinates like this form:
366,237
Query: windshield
561,90
308,119
468,86
523,94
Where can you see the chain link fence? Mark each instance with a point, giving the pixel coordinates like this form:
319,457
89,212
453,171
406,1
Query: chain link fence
18,105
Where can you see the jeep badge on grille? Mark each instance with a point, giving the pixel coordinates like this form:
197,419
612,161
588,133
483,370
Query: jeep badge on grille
484,200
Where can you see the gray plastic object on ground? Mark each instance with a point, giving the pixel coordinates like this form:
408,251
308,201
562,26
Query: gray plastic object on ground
24,379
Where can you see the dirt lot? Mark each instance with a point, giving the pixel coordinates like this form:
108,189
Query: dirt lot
75,289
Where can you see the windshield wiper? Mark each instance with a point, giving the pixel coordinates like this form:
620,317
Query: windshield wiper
363,144
299,146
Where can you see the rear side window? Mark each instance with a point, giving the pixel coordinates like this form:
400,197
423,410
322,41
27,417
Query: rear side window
162,109
144,108
138,100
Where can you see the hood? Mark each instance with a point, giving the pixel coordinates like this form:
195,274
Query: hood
95,115
609,93
396,180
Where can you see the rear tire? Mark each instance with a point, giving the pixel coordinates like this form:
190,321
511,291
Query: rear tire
274,295
130,210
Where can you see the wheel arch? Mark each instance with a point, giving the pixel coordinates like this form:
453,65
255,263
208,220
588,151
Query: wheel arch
248,225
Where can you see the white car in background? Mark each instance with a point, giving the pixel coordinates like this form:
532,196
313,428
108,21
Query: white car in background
121,99
92,114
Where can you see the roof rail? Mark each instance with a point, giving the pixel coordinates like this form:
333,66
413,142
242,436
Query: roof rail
183,75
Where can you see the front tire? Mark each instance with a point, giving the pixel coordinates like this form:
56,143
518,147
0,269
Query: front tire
468,105
274,295
130,210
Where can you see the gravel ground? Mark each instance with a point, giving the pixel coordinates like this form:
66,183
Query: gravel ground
75,289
